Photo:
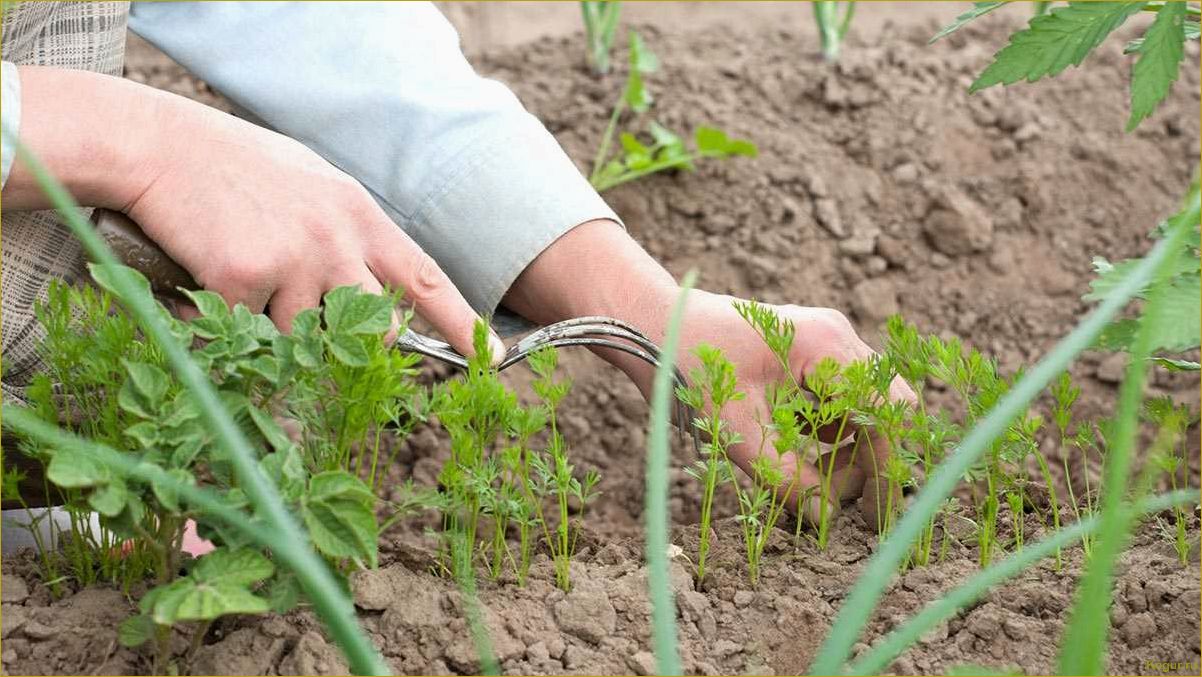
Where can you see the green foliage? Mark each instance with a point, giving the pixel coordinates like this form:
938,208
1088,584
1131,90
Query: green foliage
1159,61
1180,294
600,26
831,26
1065,36
667,150
114,387
498,476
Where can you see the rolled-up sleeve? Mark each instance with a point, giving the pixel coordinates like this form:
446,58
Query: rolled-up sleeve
10,117
383,91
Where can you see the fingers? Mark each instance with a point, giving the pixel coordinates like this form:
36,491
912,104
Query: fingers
399,262
289,301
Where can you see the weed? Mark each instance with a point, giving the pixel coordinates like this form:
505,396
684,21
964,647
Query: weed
667,150
1064,36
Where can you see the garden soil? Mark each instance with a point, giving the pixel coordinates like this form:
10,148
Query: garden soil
881,187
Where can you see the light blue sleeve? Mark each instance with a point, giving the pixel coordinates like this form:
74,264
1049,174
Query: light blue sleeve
383,91
10,117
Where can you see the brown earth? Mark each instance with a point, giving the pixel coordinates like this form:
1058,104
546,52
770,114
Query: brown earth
881,186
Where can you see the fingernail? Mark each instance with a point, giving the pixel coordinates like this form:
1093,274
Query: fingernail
497,346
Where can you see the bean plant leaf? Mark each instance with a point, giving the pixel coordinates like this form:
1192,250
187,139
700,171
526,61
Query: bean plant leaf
1054,41
979,9
338,511
106,276
1159,61
109,500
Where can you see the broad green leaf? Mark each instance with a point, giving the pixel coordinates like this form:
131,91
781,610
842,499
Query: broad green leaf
713,142
1055,41
348,349
636,94
71,469
106,276
664,136
642,59
271,430
1178,327
1159,60
267,366
135,630
351,311
109,500
305,341
283,593
1177,365
978,9
210,304
242,566
146,434
1111,275
339,514
144,390
190,600
287,470
165,491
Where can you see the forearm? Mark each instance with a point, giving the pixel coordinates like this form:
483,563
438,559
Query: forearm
96,133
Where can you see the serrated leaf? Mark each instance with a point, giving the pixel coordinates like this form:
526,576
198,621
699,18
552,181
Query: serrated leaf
1055,41
242,566
348,349
1173,364
1111,275
1178,323
979,9
351,311
135,630
1159,61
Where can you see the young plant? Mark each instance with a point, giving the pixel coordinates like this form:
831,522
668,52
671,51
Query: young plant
711,387
1064,36
555,474
831,26
1171,421
273,528
600,27
667,150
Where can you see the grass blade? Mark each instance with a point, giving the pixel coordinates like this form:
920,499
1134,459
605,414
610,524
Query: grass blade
323,591
663,609
1083,649
866,592
968,592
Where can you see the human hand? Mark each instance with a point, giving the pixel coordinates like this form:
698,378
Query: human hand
253,215
569,279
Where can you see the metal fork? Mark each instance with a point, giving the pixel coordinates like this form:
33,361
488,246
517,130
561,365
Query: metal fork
138,251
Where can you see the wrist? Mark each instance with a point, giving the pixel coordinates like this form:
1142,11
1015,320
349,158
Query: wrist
102,136
598,269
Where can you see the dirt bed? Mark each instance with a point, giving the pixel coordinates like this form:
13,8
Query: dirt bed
881,187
